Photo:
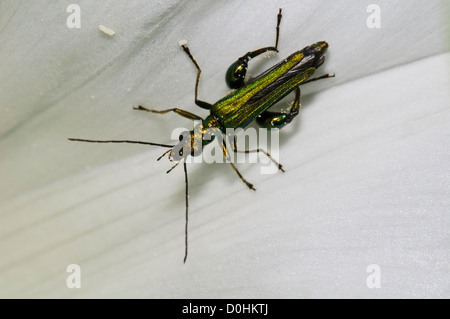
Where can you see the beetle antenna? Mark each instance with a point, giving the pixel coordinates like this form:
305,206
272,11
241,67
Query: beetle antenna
186,222
119,141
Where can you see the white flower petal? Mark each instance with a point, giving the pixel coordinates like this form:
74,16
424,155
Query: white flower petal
366,163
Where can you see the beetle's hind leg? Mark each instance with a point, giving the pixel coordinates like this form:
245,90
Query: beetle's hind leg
235,76
278,120
200,103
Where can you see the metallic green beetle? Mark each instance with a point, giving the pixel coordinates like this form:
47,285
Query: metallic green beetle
250,100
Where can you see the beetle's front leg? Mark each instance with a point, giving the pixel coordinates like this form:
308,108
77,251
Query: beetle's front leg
176,110
278,120
235,76
200,103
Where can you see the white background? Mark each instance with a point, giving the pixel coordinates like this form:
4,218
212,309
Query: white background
367,161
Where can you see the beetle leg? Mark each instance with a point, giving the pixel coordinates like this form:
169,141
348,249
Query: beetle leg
200,103
178,111
278,120
235,76
228,158
258,150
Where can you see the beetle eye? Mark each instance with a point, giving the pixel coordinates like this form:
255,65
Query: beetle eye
182,136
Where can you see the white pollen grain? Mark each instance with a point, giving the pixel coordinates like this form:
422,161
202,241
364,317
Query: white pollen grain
106,30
